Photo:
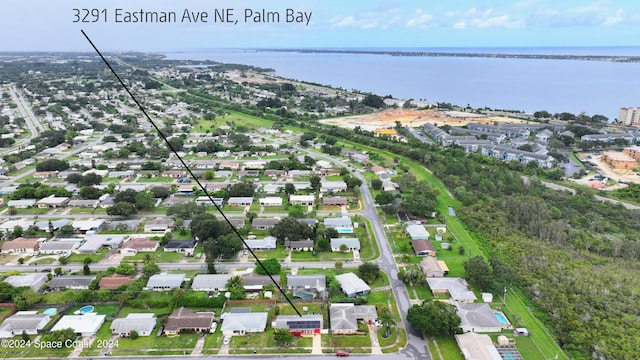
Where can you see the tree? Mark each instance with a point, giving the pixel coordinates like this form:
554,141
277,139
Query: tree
479,273
384,198
124,209
57,271
323,244
434,318
289,189
144,200
86,270
369,272
6,291
133,335
63,260
352,181
128,196
283,337
124,269
52,165
244,188
271,267
66,230
331,233
187,210
160,192
296,211
90,179
17,232
334,285
292,229
387,321
373,101
344,248
206,227
150,268
90,192
315,182
236,288
422,200
376,184
225,246
338,265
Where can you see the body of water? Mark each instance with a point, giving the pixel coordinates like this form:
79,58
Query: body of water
593,87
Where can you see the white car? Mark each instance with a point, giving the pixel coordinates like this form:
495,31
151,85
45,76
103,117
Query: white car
227,340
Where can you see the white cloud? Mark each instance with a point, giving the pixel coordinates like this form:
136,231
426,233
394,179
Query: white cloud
483,19
616,19
367,20
420,20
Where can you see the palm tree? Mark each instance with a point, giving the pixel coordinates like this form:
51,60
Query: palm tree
387,321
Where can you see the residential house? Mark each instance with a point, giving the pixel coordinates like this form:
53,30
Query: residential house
327,186
185,319
94,242
175,200
268,243
231,165
423,248
263,223
83,203
73,282
304,200
431,267
307,324
59,246
21,204
114,281
184,190
139,244
343,319
248,173
142,323
204,200
82,325
253,282
455,287
53,201
271,201
271,189
241,323
162,282
187,247
342,224
21,245
477,317
223,174
334,201
300,245
210,282
158,225
83,226
352,285
477,347
33,280
240,201
351,244
417,232
29,322
366,313
315,285
274,174
237,223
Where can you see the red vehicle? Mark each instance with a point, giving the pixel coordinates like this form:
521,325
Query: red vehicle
342,353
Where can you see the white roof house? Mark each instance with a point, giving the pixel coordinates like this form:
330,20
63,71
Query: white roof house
268,243
352,285
235,323
342,224
33,280
87,225
351,244
165,281
477,347
271,201
83,325
306,200
343,318
210,282
23,321
332,186
21,204
417,232
95,242
10,224
240,201
142,323
457,288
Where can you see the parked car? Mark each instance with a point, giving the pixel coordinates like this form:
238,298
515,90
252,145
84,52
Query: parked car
342,353
227,340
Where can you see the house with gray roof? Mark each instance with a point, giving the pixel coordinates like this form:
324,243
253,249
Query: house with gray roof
185,319
240,201
455,287
315,285
417,232
187,247
165,281
33,280
477,317
263,223
94,242
73,282
210,282
241,323
352,244
58,246
29,322
352,285
158,225
268,243
477,346
21,204
342,224
343,319
366,313
142,323
88,225
327,186
307,324
300,245
431,267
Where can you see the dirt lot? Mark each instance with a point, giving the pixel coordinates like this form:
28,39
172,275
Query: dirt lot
613,174
388,118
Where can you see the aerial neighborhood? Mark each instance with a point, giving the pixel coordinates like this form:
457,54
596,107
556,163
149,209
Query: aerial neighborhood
256,236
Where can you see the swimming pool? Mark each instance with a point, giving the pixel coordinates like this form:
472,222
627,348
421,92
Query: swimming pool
501,318
344,231
86,309
303,295
50,311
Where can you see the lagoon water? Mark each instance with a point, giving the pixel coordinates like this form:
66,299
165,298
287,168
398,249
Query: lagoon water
593,87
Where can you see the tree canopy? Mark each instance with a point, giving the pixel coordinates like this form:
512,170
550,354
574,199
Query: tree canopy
434,318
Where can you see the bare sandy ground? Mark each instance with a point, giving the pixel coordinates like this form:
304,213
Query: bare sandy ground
608,171
388,118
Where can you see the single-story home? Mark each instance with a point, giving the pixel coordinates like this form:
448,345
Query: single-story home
240,201
158,225
58,246
352,285
185,319
342,224
304,200
477,317
240,323
53,201
423,248
88,225
456,287
29,322
352,244
21,204
165,281
271,201
477,347
139,244
343,319
114,281
332,186
93,243
73,282
187,247
33,280
255,282
315,285
334,201
21,245
417,232
268,243
83,325
263,223
300,245
366,313
431,267
307,324
210,282
142,323
204,200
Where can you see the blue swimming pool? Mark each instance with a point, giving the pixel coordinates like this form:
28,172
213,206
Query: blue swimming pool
86,309
303,295
501,318
344,231
50,311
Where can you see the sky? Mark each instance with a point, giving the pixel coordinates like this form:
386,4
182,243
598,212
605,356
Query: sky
47,25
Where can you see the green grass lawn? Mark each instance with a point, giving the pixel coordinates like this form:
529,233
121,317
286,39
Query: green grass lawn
88,211
95,258
154,345
159,256
350,343
154,179
250,121
276,209
108,310
321,256
278,253
448,348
